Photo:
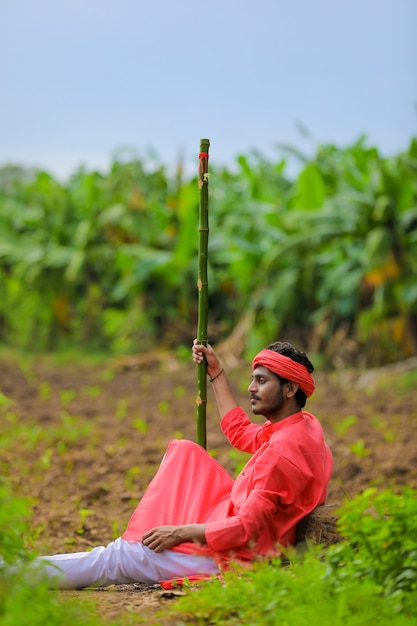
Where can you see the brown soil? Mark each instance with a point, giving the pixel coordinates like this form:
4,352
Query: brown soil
102,431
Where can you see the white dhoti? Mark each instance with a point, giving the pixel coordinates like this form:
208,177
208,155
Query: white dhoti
120,562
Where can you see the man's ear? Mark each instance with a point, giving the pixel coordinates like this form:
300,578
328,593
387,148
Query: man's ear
292,389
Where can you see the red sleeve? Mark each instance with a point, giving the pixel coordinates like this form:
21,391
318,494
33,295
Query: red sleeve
240,431
276,482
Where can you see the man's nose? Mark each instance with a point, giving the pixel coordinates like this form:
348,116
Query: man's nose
251,386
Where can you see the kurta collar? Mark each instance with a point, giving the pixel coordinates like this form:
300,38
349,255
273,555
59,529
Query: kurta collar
268,429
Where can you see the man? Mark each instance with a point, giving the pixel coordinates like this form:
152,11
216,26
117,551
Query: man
194,518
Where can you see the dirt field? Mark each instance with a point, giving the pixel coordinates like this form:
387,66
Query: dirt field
92,437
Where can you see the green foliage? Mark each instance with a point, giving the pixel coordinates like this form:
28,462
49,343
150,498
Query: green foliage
33,605
381,528
109,261
23,600
270,595
14,515
343,426
359,449
370,577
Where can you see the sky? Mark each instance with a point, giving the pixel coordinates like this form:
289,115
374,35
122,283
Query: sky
81,80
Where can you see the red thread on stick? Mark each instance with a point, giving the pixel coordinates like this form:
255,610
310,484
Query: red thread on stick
203,164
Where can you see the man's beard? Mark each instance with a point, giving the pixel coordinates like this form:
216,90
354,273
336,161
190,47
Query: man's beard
274,406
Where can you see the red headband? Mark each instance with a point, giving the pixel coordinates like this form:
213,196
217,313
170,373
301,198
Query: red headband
287,368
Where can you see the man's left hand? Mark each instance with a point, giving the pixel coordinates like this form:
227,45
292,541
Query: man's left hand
164,537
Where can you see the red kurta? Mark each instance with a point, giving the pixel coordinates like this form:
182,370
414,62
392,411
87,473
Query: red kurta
284,480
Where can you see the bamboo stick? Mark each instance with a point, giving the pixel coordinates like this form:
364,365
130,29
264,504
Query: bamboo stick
202,285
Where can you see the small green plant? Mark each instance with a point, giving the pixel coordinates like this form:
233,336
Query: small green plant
116,529
359,449
179,391
163,407
72,428
408,381
140,425
66,396
131,476
83,514
92,391
61,448
239,459
107,375
121,409
31,434
45,460
381,425
44,390
5,402
14,516
344,425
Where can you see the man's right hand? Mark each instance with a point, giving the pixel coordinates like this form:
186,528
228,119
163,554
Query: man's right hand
201,352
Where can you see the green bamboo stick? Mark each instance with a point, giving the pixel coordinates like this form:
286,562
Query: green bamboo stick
202,285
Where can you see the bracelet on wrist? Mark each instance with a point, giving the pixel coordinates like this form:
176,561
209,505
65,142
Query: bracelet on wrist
217,375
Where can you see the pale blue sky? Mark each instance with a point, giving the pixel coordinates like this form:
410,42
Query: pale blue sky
81,78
